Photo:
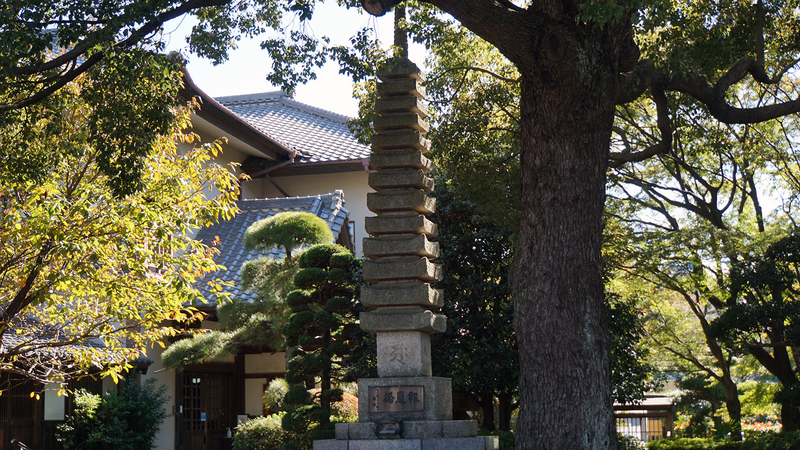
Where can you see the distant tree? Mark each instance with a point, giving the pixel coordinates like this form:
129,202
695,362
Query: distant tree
321,305
632,374
88,279
762,317
478,350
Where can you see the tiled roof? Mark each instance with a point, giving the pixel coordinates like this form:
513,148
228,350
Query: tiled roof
319,135
329,207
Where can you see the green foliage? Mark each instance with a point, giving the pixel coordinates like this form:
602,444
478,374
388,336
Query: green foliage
259,323
126,420
266,433
274,395
315,326
762,316
289,230
631,373
311,278
476,254
768,441
130,101
297,395
78,258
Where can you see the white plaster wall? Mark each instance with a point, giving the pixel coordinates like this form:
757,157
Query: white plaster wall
253,391
54,404
165,439
354,185
265,363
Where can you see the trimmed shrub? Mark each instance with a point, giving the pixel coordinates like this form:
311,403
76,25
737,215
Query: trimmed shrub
629,442
766,441
273,396
261,433
125,420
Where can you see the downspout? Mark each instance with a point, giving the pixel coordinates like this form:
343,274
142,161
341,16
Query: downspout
365,163
265,172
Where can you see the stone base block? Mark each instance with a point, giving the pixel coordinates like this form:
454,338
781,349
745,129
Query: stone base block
432,399
410,429
404,354
468,443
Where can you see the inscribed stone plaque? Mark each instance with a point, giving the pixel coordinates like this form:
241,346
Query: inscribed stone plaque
396,399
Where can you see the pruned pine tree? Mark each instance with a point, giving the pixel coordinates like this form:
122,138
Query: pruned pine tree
256,323
321,306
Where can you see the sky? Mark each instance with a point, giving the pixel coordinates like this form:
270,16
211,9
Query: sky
247,67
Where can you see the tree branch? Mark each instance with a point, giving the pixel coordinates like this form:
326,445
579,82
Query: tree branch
80,49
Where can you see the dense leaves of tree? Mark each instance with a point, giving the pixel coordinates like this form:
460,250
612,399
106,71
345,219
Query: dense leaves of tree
256,323
478,350
88,279
632,375
762,316
576,61
321,307
126,419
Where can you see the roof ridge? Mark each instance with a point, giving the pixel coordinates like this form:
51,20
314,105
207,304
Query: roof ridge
258,97
323,113
284,198
337,205
316,200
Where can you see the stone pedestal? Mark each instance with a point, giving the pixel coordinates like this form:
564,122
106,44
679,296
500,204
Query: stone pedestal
406,408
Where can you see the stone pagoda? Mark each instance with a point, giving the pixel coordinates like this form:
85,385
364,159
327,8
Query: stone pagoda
405,407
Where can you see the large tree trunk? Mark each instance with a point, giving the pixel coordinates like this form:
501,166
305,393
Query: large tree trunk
567,110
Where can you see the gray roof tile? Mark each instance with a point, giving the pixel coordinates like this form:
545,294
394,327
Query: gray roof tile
319,135
329,207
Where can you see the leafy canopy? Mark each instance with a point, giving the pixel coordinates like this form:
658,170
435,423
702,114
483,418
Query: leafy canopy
89,279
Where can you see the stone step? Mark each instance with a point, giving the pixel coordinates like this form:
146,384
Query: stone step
381,321
402,268
401,104
401,200
398,121
404,68
399,179
405,224
401,86
413,293
405,139
400,159
377,247
411,429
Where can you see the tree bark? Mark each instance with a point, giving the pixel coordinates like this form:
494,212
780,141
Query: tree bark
567,110
487,406
734,407
505,409
569,73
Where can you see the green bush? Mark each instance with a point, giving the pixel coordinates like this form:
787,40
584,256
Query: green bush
273,396
773,441
690,444
125,420
262,433
629,442
766,441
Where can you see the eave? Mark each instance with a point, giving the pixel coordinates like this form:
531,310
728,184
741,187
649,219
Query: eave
214,113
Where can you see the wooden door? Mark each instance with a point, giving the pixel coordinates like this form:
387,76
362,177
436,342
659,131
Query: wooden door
206,410
19,411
